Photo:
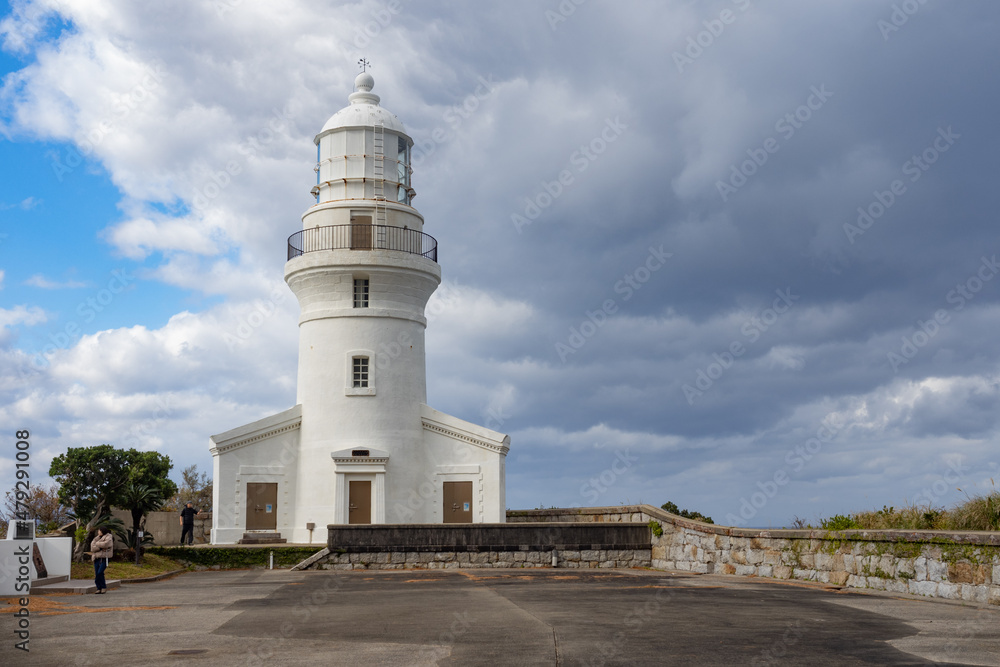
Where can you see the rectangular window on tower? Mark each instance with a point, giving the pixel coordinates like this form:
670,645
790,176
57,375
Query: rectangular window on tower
360,371
361,292
403,172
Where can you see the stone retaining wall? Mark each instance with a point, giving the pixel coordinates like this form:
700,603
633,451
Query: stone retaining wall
502,545
441,560
956,566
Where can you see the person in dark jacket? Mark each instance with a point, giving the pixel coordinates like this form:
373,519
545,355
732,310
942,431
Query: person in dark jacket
187,523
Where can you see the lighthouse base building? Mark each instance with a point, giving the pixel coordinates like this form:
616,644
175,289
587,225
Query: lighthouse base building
361,446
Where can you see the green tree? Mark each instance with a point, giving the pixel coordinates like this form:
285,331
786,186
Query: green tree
687,514
139,499
89,480
92,480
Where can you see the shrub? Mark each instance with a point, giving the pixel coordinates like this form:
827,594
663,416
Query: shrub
839,522
236,558
687,514
907,518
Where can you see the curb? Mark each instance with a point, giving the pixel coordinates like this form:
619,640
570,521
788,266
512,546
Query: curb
146,580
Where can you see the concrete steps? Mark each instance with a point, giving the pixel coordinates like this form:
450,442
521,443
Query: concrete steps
45,581
261,538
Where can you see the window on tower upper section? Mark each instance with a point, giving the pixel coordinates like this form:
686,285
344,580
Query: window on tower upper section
403,172
361,292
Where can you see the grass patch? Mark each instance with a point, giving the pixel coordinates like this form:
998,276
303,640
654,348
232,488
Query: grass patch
152,565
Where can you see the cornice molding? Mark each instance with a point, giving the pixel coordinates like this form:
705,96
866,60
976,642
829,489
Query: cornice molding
456,435
285,428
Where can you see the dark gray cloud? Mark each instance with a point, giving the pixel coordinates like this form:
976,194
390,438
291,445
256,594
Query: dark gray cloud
569,153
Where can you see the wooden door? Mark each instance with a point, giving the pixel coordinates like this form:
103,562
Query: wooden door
262,506
457,502
359,508
361,232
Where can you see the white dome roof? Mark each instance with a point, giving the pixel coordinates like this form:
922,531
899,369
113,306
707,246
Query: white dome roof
364,110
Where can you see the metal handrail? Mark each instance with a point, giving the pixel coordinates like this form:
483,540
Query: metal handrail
362,236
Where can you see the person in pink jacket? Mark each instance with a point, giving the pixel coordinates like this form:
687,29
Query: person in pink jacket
102,548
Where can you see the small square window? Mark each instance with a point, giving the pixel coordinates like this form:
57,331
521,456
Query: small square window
360,292
360,368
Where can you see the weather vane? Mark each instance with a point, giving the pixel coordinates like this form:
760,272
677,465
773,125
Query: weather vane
364,64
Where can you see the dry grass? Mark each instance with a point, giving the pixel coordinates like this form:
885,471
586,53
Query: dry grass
906,518
55,604
979,513
152,565
976,513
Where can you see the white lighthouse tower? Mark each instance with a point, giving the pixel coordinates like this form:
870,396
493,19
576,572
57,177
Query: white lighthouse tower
361,445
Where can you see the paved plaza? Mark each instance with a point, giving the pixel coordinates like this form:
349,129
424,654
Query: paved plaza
498,617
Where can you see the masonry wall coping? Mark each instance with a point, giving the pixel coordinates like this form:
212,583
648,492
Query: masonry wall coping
978,538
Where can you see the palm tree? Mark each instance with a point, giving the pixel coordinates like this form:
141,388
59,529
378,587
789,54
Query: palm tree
140,499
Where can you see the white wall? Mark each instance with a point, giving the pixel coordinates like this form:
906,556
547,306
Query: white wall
254,457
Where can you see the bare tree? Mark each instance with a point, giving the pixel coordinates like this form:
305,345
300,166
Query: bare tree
194,488
42,506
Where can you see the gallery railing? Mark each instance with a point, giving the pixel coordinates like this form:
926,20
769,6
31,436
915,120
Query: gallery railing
362,237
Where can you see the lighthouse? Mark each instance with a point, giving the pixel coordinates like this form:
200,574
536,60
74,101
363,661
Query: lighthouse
361,445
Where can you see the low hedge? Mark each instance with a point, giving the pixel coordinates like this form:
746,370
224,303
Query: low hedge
236,558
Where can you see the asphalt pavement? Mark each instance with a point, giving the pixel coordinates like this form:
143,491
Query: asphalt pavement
496,617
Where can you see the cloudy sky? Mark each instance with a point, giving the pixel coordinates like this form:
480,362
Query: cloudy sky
736,255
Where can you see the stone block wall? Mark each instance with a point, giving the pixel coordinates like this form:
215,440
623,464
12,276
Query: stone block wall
499,545
955,566
166,529
443,560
